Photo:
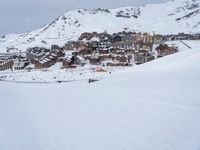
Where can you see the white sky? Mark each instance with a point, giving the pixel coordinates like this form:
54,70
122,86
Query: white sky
18,16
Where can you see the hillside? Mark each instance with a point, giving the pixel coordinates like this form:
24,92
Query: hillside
148,107
167,18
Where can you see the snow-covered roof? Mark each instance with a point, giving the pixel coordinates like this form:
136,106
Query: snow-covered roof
95,39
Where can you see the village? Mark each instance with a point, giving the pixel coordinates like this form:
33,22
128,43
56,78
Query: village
98,50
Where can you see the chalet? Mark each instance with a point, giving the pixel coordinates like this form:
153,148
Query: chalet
79,61
48,60
139,37
42,57
124,40
71,45
147,38
19,64
109,64
105,36
130,51
130,59
36,53
116,38
168,38
164,49
157,38
119,51
94,35
127,38
126,45
104,44
182,36
93,45
122,59
6,64
56,48
147,46
58,53
94,60
195,37
81,45
75,45
105,57
115,64
172,50
87,36
8,60
83,52
68,61
142,56
118,44
105,50
140,45
10,55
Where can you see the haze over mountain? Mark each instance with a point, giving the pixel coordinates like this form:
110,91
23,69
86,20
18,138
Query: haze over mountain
18,16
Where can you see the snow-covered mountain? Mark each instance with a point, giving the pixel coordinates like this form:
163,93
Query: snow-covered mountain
172,17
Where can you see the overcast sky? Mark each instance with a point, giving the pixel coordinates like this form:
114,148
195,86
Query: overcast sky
18,16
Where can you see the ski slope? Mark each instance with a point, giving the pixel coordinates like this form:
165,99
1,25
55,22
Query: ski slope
155,106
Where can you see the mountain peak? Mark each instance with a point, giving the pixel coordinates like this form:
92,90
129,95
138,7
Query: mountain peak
171,17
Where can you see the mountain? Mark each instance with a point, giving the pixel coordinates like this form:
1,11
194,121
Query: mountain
171,17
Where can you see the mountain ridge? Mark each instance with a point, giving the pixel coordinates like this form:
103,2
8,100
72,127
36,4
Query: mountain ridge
167,18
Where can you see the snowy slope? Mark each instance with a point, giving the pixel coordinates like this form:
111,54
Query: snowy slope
155,106
171,17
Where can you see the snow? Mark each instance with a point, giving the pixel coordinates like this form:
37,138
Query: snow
158,18
55,74
95,39
153,106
